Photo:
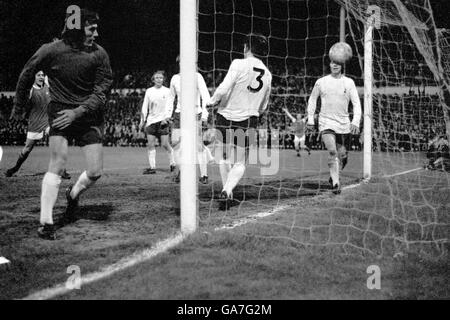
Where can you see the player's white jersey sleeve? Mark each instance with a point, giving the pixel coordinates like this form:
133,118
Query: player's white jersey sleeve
335,93
145,107
245,91
171,98
204,95
312,102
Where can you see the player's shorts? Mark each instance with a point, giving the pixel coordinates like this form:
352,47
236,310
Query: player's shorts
158,129
342,139
229,131
177,119
85,131
37,135
300,141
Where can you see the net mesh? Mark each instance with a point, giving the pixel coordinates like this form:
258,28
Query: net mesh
403,207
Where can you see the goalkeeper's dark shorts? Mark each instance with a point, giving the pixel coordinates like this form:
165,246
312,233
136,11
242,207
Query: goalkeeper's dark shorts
85,130
238,133
344,140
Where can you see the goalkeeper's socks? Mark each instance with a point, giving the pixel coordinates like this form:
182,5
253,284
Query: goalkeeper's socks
21,160
235,175
49,195
152,158
334,170
203,163
225,167
83,183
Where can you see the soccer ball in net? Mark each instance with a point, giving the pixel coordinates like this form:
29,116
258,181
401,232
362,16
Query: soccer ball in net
341,53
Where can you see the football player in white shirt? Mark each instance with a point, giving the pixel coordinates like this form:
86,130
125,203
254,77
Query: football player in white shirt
203,155
336,91
156,119
299,132
243,97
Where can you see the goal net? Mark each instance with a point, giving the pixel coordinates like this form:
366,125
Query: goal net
288,197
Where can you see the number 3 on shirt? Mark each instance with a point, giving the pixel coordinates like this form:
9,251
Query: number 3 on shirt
259,79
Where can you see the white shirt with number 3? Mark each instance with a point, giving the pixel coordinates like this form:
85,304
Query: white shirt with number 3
245,91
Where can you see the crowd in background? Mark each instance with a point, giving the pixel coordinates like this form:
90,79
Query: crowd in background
401,122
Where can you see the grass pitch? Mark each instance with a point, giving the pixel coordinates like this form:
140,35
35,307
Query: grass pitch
318,247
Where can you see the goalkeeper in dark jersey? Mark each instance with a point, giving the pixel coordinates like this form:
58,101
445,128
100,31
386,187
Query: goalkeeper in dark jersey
36,113
79,75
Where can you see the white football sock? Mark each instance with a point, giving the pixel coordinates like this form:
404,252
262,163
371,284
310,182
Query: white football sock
202,163
235,175
333,164
152,158
83,183
224,167
49,195
209,156
171,157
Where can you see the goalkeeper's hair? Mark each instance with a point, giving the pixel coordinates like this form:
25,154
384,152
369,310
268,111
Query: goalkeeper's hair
76,37
258,44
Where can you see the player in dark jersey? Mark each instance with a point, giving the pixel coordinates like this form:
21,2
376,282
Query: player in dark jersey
79,75
299,132
37,121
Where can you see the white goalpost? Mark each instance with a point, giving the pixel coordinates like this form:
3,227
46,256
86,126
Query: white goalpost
188,126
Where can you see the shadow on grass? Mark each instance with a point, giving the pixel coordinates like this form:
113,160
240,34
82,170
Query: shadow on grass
99,212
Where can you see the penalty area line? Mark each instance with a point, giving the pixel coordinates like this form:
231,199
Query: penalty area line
125,263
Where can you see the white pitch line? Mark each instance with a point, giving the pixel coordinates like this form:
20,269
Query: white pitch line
402,173
161,247
137,258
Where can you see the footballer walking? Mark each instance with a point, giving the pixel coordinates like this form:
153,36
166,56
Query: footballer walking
79,74
243,97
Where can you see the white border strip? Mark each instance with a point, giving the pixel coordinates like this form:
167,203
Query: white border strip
137,258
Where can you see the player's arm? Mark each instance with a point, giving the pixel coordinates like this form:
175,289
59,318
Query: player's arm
26,80
227,83
144,109
289,115
354,127
205,97
265,101
312,104
170,99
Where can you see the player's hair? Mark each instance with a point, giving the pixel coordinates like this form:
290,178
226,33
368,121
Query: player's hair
162,72
258,44
76,37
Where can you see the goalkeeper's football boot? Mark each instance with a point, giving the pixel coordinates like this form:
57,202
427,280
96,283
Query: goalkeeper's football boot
10,172
225,201
72,205
65,175
176,179
47,232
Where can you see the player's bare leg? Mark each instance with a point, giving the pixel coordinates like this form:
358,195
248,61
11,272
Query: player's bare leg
234,176
29,145
343,156
50,185
151,155
297,145
333,160
93,154
176,151
166,145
